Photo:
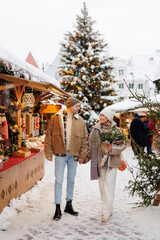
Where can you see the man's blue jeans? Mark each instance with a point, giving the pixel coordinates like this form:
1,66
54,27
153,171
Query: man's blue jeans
60,163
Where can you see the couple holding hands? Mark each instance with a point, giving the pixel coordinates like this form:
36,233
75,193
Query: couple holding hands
67,138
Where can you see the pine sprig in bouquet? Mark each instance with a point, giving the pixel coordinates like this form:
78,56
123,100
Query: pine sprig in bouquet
112,136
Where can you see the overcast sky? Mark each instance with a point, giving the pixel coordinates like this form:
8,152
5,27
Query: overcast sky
129,26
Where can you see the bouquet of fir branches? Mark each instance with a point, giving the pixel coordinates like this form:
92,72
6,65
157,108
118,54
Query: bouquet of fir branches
114,135
106,138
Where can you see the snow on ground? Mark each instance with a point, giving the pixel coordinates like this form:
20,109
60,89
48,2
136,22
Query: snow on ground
30,216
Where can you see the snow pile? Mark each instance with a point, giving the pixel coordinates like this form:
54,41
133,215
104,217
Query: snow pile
30,216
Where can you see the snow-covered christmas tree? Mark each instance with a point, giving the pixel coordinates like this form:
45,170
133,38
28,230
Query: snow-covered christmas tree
86,71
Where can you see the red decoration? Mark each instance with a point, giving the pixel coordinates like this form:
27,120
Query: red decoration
123,166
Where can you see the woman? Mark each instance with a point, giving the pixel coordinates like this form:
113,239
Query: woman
105,171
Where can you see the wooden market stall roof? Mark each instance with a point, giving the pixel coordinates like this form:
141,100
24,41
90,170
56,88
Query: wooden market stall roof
48,89
13,67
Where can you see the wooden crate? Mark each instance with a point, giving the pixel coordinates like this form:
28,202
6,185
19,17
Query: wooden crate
18,179
35,149
22,154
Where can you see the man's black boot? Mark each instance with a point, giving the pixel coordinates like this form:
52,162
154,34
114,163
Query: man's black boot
57,215
69,209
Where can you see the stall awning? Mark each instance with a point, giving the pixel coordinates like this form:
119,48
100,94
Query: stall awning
124,105
47,87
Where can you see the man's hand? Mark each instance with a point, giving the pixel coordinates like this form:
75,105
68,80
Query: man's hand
49,159
80,161
109,147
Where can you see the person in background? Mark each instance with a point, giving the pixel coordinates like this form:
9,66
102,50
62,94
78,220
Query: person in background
105,172
137,133
67,139
147,141
153,129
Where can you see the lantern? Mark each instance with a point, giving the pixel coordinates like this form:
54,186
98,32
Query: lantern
28,99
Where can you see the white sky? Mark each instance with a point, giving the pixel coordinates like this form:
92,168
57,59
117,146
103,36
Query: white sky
129,26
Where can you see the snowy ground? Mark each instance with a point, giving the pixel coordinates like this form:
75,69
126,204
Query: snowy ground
30,216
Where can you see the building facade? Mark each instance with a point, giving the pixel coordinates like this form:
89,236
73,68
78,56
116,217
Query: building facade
138,72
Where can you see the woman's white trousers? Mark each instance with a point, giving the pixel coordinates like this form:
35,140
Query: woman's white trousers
107,183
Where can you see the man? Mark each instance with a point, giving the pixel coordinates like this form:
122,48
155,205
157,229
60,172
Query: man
152,126
67,139
137,132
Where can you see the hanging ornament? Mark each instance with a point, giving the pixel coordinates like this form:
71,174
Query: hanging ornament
72,83
105,105
84,77
83,50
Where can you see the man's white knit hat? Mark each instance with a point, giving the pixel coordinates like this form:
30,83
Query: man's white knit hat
108,114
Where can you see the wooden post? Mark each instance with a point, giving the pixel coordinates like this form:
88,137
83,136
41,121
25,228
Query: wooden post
19,127
41,119
18,93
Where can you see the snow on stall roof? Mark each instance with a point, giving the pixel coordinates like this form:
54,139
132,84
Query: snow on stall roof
112,98
129,104
26,68
156,98
124,105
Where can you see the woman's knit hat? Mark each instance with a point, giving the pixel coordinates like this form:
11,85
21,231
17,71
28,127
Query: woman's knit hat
71,102
108,114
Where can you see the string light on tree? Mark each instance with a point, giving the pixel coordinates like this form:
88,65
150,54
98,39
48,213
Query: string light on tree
85,58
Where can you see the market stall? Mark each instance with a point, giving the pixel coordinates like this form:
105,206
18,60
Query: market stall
47,110
21,125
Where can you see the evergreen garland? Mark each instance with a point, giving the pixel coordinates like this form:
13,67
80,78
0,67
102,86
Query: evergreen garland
5,70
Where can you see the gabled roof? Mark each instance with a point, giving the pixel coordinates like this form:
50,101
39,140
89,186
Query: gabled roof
30,59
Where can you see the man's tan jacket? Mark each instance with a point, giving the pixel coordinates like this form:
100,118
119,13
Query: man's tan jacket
54,140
